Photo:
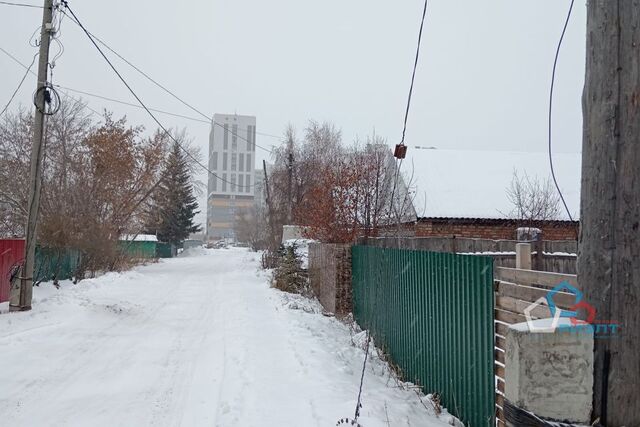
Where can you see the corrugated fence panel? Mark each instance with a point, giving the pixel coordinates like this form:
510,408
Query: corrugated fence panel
432,313
51,263
55,263
165,250
11,252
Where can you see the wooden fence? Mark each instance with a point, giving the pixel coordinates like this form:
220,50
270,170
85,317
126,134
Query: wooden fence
555,255
515,290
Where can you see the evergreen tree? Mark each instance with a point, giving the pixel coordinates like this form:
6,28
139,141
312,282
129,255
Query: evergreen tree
174,205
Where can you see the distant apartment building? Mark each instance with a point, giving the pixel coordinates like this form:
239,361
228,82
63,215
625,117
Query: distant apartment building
232,158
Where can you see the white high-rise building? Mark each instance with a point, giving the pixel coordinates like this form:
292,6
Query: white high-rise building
232,158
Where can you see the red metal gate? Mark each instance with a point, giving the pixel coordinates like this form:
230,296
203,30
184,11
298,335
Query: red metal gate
11,252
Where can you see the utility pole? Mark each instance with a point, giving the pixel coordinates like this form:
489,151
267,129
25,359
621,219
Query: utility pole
21,296
269,206
290,134
609,249
290,177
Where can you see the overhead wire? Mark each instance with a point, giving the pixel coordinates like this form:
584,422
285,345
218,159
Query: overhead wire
17,61
9,3
550,127
106,98
129,104
168,91
15,92
58,17
395,183
413,76
149,112
64,88
406,114
33,36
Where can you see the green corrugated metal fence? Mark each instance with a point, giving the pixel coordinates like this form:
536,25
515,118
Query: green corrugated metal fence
54,263
165,250
433,314
139,249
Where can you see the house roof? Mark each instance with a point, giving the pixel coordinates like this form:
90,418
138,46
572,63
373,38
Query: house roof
473,183
139,238
498,221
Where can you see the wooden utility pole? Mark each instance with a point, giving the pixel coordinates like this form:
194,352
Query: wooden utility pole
290,158
269,206
609,250
21,296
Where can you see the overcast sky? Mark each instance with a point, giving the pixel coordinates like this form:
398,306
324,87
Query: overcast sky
482,81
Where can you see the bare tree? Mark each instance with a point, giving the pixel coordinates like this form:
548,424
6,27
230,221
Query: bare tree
251,227
387,193
337,193
533,199
95,178
15,141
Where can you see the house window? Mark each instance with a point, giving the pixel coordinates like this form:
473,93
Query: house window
226,136
234,137
233,182
224,161
249,166
214,184
224,182
234,162
248,184
241,183
241,164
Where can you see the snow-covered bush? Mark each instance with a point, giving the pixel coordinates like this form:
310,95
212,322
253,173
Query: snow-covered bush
289,276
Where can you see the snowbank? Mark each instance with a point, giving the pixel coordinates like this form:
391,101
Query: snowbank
385,398
302,249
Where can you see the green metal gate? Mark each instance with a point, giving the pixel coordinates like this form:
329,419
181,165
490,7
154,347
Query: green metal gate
433,315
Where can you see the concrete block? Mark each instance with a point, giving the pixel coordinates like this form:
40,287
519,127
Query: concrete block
523,256
291,232
550,374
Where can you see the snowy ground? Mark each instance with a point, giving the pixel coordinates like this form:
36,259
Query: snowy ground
199,340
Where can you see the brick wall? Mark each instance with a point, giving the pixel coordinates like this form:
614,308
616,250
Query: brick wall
330,276
493,229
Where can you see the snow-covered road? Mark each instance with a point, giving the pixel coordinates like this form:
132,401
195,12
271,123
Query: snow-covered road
199,340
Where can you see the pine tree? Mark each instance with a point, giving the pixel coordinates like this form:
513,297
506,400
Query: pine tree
173,207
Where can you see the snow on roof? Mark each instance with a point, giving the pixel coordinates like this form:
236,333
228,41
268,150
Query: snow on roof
473,183
139,238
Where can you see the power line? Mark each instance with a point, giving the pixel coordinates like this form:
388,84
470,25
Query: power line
156,110
413,76
129,104
20,63
165,89
148,77
19,84
168,113
118,101
553,78
406,114
187,152
271,135
395,184
7,3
